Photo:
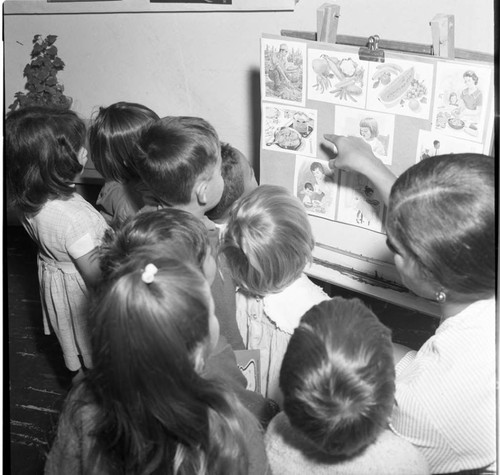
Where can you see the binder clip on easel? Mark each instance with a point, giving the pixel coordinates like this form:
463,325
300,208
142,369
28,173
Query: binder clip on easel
372,51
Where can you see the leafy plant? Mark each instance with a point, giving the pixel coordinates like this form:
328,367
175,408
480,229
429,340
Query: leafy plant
41,74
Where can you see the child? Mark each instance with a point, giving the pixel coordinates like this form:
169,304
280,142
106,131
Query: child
337,380
324,187
113,136
368,129
267,243
168,230
441,228
179,159
174,232
147,406
239,179
45,153
308,193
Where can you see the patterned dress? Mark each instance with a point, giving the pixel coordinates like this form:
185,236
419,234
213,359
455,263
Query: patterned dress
65,230
267,324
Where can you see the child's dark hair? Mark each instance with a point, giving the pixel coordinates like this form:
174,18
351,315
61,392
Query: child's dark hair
173,153
308,186
317,166
337,377
234,182
169,231
442,213
113,137
155,412
41,152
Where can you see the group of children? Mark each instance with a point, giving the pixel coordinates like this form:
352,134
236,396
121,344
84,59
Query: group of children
189,260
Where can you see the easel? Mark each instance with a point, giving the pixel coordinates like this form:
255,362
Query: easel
443,46
442,27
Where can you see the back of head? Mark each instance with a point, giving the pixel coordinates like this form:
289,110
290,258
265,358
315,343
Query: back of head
173,153
268,240
442,213
41,152
234,180
113,137
165,232
337,377
146,338
155,412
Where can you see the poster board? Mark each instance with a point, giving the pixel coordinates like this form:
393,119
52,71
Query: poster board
408,107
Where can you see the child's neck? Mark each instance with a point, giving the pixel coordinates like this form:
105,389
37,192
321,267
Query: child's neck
192,208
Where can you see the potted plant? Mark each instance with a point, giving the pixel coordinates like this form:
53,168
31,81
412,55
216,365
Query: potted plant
41,77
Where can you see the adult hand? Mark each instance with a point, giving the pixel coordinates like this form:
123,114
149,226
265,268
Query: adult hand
352,154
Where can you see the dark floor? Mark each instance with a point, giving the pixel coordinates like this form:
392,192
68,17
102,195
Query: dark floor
38,380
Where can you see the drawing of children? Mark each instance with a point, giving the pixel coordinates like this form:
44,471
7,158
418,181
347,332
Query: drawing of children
453,99
308,192
324,186
368,129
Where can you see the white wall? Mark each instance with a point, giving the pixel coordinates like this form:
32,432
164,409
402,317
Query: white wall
206,64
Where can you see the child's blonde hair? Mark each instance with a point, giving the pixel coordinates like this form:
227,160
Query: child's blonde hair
268,240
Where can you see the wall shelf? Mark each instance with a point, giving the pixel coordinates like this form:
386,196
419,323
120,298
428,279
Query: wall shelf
37,7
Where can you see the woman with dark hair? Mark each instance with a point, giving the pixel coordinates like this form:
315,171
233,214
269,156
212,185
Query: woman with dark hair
441,229
471,96
146,406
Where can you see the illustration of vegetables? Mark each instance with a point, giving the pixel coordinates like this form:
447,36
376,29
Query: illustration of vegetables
347,89
344,76
322,69
395,90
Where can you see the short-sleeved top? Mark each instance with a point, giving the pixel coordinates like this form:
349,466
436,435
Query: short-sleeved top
65,230
445,393
290,453
472,100
119,200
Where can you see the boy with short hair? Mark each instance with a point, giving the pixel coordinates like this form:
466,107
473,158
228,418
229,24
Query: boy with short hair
337,380
179,159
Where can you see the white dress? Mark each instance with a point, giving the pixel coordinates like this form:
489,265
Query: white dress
65,230
267,324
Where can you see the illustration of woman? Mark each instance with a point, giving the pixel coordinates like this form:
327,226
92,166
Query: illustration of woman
368,129
471,96
324,184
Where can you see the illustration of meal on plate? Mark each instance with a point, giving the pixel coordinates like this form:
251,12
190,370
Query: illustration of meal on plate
336,77
400,87
289,129
461,92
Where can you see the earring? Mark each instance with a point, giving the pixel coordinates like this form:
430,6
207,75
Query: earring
440,297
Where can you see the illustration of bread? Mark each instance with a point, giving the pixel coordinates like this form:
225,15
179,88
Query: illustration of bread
394,91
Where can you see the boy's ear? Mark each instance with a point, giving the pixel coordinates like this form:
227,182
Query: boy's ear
200,190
